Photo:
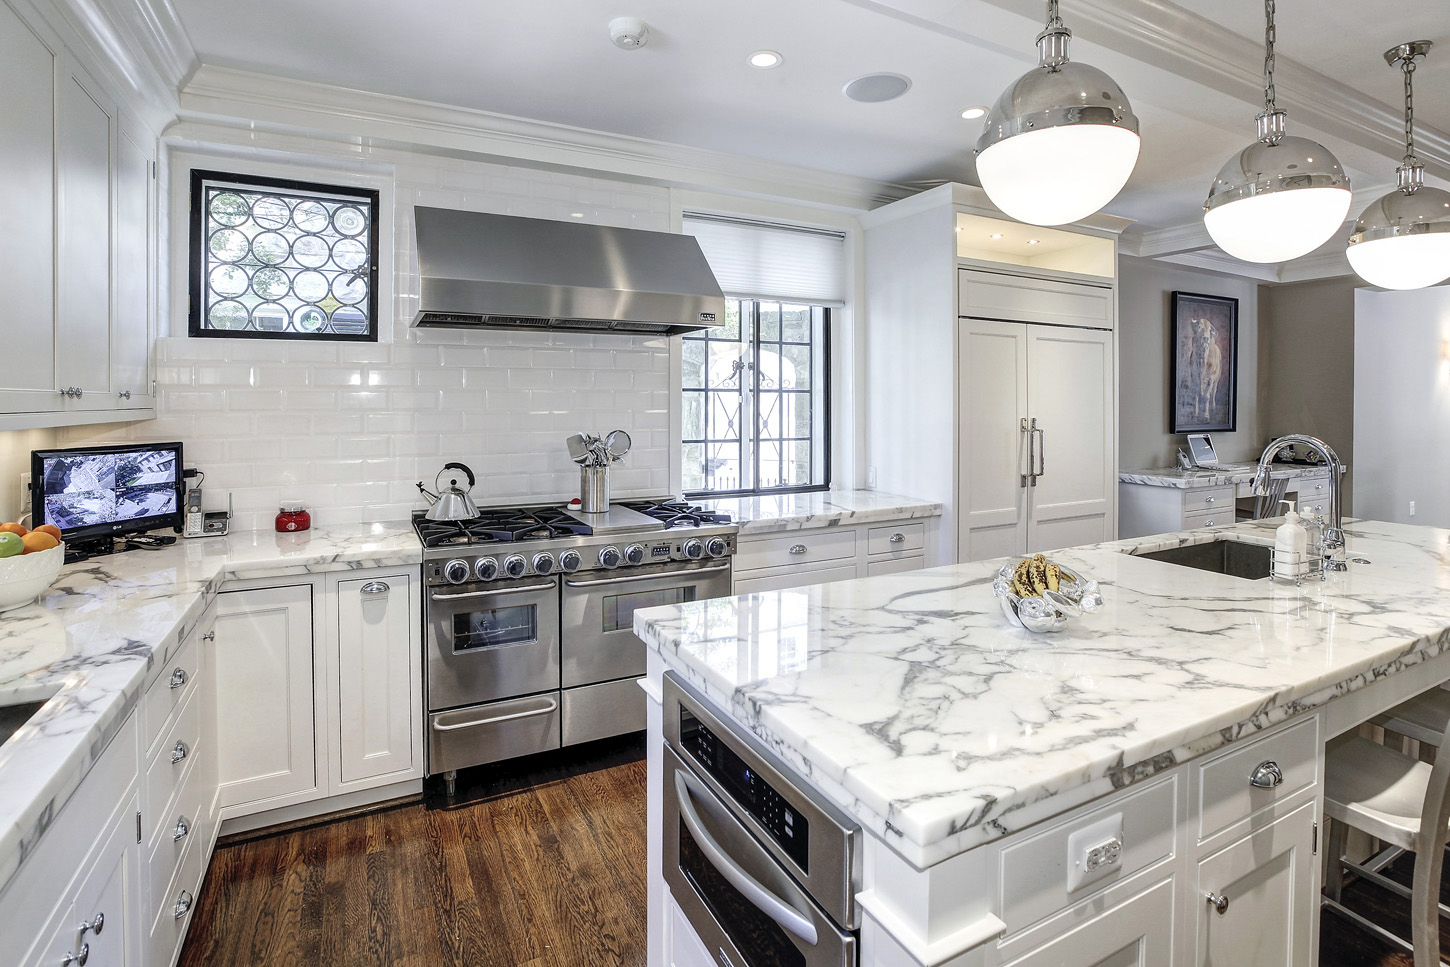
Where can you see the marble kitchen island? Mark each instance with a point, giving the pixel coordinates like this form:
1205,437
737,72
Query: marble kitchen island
970,752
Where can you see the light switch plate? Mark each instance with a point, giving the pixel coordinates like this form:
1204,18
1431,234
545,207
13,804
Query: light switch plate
1094,852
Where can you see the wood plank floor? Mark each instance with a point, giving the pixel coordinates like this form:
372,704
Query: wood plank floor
1344,944
548,868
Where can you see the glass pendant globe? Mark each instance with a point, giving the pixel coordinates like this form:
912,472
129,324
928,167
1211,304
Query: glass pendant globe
1058,175
1275,202
1402,240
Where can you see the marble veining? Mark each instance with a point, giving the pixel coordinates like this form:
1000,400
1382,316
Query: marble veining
109,626
771,513
1196,478
909,700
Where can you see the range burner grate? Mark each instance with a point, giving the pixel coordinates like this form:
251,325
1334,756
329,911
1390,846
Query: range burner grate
500,525
678,513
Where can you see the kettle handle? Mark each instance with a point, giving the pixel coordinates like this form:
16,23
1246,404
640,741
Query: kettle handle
459,466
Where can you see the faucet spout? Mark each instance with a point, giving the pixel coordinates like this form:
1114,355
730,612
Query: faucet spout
1334,530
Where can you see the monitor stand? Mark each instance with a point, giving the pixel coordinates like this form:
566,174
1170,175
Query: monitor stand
99,546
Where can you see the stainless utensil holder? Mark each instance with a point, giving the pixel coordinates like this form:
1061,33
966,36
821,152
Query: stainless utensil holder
594,489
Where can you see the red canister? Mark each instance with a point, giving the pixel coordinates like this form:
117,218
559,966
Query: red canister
292,516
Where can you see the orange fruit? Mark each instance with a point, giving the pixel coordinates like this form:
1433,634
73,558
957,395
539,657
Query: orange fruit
38,541
14,528
50,529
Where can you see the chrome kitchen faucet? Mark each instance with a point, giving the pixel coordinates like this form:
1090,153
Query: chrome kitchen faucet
1333,543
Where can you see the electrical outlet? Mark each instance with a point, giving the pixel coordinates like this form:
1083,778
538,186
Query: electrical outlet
1094,852
871,478
24,503
1412,508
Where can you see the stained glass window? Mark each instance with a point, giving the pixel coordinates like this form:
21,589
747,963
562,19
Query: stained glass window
272,258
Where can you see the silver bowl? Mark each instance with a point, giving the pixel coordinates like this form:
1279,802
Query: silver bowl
1051,611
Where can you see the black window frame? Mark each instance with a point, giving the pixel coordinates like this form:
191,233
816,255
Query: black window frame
753,438
197,245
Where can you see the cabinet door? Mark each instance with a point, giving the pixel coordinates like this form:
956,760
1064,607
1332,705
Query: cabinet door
1270,880
1135,933
84,136
377,650
992,446
111,895
131,329
264,695
1070,395
27,211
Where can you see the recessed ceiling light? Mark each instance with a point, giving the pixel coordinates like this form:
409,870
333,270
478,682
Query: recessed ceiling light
1034,241
874,88
959,228
576,214
765,59
997,235
972,113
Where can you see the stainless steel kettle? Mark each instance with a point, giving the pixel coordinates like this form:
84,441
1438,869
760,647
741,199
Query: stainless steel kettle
451,502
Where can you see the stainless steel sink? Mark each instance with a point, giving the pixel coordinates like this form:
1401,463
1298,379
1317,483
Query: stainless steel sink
1221,556
12,717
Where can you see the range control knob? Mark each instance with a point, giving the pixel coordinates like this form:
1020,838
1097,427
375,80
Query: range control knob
514,565
609,557
486,568
694,550
569,561
634,554
456,571
543,563
717,546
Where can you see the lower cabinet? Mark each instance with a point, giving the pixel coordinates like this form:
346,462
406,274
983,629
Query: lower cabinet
378,706
791,559
683,947
1135,933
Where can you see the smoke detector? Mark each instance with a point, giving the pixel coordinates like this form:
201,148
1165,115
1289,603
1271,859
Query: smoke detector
628,33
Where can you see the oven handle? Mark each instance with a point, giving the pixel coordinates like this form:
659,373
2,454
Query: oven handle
667,576
493,720
435,596
768,903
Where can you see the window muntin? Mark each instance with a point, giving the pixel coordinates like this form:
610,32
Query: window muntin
272,258
755,400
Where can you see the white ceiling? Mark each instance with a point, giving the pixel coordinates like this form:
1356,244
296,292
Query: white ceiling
690,85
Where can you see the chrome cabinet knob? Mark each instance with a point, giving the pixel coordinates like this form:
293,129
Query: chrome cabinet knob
79,959
179,833
797,549
178,678
375,587
183,904
209,636
93,926
1219,901
898,537
1267,775
179,752
125,394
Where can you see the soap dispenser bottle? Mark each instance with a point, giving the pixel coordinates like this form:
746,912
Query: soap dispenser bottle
1291,543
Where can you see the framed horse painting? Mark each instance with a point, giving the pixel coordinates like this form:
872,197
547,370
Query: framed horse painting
1203,370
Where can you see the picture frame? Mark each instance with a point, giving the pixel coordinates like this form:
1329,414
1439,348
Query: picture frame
1203,371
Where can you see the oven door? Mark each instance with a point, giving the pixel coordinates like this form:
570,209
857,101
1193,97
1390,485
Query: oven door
741,902
487,642
598,614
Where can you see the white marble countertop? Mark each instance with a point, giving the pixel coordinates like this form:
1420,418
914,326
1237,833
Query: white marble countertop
830,508
1195,478
910,702
106,627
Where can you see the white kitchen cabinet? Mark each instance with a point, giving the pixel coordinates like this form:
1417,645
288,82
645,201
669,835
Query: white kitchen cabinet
379,684
1145,509
1135,933
816,555
1038,437
683,946
263,661
132,332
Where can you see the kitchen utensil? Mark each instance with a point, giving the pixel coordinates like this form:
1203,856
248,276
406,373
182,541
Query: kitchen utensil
1051,611
594,488
598,455
451,502
617,444
578,448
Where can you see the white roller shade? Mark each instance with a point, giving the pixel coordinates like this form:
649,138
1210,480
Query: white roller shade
773,262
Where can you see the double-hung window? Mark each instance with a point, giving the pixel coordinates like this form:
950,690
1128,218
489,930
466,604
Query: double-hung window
756,390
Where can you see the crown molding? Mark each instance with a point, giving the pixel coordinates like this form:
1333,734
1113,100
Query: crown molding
326,110
1216,260
1330,265
1168,241
159,33
120,40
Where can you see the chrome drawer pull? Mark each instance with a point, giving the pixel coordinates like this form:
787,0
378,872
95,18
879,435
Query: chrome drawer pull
178,678
183,904
1219,901
179,834
178,752
494,720
1209,500
797,548
898,537
376,587
1267,775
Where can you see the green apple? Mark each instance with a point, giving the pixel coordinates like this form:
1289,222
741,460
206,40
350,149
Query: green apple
11,544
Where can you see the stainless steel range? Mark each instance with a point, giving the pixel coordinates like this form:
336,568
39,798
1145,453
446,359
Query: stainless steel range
529,615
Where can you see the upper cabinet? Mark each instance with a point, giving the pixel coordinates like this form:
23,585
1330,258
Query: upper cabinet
78,258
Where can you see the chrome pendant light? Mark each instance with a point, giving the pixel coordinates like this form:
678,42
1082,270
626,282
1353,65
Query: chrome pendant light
1062,139
1402,241
1281,197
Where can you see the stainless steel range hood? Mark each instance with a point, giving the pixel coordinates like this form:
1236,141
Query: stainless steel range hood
483,271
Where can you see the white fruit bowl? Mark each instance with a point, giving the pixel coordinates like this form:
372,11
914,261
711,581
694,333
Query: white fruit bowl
24,576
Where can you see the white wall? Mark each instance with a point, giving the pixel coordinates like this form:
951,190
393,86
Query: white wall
1402,405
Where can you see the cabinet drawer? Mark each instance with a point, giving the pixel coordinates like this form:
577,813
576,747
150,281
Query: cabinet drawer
1033,873
1225,795
895,537
895,565
173,908
780,578
1311,488
798,547
173,686
1208,518
163,776
1209,498
1011,298
165,826
1313,506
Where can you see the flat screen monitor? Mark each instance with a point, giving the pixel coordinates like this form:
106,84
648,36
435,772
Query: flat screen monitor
101,492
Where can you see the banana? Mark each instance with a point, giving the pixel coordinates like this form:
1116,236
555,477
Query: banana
1054,577
1038,573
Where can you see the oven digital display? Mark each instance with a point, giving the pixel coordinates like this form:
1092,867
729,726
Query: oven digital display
495,627
619,609
788,828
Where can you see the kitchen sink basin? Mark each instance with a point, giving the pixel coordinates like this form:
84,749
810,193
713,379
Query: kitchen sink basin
12,717
1222,556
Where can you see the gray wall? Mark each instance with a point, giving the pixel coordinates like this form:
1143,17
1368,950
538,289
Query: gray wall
1307,371
1144,300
